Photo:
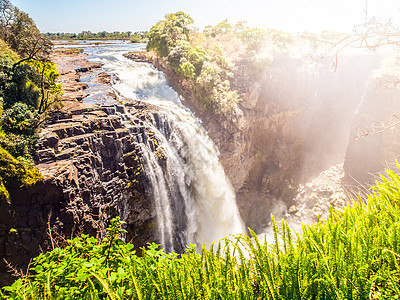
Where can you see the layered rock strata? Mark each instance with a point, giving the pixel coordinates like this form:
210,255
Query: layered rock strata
92,173
290,125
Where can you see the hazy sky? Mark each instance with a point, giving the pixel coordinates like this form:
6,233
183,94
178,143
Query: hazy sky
134,15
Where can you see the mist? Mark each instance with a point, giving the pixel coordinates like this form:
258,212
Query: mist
316,114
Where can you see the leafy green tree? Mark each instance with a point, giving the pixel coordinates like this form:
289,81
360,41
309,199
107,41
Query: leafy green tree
206,82
32,79
221,28
213,87
27,85
221,59
164,35
20,119
197,56
280,39
16,85
254,38
188,69
19,31
179,54
6,16
44,76
32,71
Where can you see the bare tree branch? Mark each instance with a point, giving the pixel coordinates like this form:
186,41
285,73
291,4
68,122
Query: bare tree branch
373,131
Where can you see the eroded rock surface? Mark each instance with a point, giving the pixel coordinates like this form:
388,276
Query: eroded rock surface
374,141
292,124
92,173
315,196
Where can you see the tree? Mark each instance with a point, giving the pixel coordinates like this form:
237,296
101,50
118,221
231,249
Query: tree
20,119
164,35
19,31
6,9
371,35
254,38
33,70
221,28
197,56
179,54
45,78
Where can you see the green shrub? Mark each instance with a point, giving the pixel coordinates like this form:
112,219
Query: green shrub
220,58
7,53
280,38
354,254
254,38
18,145
17,172
20,119
177,54
197,56
221,28
16,85
188,70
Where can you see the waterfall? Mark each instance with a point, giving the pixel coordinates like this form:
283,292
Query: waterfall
194,200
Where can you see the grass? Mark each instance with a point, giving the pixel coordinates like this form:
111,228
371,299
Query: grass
70,50
354,254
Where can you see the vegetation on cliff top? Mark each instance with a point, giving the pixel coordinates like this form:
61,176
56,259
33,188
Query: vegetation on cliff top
207,70
354,254
209,63
28,89
134,37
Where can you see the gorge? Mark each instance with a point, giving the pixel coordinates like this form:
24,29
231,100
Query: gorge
130,148
147,160
177,163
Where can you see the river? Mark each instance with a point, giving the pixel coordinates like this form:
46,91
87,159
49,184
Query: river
194,200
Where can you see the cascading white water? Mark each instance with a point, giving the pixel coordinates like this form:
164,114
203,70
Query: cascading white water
194,200
196,178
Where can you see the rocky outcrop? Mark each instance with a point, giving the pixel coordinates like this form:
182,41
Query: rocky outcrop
92,173
94,158
374,143
294,124
316,196
256,149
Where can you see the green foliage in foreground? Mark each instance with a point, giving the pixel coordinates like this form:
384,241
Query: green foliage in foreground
354,254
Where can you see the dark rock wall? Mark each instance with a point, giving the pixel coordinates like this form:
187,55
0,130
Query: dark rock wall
92,173
373,145
293,123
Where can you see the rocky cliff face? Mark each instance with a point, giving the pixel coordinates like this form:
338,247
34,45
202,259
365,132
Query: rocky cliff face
92,173
288,127
292,124
94,158
258,149
374,143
